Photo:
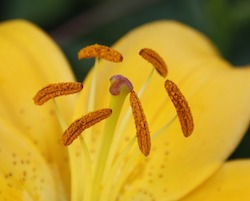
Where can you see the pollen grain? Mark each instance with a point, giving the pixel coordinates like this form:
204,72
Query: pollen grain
142,130
55,90
155,59
79,125
181,106
100,51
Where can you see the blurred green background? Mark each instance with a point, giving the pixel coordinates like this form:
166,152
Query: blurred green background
77,23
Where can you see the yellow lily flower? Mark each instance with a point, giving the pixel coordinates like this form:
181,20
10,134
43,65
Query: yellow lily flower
105,162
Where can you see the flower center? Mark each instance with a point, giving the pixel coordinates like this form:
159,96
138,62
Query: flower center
102,178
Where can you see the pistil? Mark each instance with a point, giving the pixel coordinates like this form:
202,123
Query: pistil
120,87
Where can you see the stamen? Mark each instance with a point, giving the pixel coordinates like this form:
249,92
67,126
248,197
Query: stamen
155,59
181,106
119,83
100,51
56,89
142,131
78,126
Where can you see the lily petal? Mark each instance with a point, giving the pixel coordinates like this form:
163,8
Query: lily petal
24,174
231,182
218,97
29,61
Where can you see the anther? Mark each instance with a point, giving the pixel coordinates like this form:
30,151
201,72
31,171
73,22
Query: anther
79,125
155,59
142,131
100,51
181,106
55,90
118,83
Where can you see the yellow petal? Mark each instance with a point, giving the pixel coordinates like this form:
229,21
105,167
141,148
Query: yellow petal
231,183
29,61
24,174
218,96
